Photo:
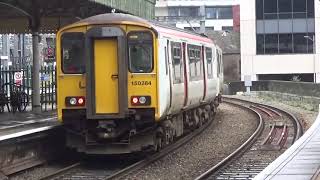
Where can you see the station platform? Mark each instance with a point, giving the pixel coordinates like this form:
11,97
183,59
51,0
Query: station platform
300,162
13,124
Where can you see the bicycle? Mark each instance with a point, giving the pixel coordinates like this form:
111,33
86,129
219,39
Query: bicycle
4,101
18,100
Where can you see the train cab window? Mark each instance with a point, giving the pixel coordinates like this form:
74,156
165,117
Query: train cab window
177,64
72,50
140,52
209,62
195,70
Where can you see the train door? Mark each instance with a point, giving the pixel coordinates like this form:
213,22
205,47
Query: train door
107,75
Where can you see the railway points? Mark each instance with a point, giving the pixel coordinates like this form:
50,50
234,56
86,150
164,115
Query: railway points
255,155
300,161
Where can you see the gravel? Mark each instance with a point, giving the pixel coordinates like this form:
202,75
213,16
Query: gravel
306,117
232,127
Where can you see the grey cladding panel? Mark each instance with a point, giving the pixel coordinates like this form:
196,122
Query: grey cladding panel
299,25
271,26
260,27
285,26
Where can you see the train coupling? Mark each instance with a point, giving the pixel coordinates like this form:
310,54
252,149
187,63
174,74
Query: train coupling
107,130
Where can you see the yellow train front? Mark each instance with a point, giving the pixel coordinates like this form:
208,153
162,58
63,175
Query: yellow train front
108,85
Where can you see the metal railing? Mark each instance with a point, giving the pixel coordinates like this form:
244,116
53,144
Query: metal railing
174,19
13,79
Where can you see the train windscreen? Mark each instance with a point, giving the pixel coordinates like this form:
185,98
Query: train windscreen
140,52
73,57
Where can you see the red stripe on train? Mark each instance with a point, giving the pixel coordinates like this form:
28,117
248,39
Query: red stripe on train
183,34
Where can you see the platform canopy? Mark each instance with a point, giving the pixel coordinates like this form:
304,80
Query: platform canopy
47,16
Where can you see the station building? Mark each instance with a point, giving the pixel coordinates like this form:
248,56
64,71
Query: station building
280,40
187,14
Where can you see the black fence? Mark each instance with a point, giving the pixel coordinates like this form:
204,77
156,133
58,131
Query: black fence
20,80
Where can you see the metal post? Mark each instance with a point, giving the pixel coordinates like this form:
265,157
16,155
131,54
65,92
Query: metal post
314,60
36,70
203,19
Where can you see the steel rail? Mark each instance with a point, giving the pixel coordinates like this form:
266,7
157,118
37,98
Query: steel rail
145,162
296,123
297,133
240,149
61,171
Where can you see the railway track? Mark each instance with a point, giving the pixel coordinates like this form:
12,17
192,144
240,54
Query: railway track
278,131
81,171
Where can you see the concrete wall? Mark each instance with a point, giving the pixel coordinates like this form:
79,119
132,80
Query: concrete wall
161,11
217,23
299,94
298,88
231,67
196,2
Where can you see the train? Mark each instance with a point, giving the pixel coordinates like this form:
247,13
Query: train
126,84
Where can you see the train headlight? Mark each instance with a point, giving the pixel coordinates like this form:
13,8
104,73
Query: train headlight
140,100
73,101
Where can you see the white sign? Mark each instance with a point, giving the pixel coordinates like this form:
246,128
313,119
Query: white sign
45,77
18,78
247,81
4,57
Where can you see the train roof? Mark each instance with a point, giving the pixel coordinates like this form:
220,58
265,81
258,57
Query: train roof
119,18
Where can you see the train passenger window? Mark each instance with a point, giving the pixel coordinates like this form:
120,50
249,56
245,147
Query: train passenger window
166,59
195,64
140,47
218,62
209,62
177,64
73,61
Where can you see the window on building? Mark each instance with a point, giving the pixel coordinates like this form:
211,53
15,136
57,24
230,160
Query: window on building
300,43
259,9
281,24
177,63
209,62
285,43
211,13
184,11
260,44
310,9
227,28
271,44
219,12
225,13
284,9
210,28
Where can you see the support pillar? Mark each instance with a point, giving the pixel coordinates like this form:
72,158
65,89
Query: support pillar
203,20
36,106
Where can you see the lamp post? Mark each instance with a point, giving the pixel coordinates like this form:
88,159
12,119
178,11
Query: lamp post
314,56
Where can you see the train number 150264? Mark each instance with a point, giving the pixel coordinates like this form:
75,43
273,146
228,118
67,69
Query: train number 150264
141,83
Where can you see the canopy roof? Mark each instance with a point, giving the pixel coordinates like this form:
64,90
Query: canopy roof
51,15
